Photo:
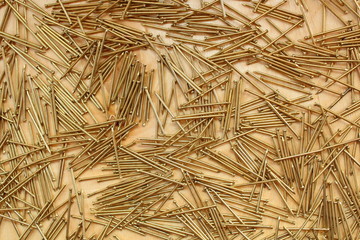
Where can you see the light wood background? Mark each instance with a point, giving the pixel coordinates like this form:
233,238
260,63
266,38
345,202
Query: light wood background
314,17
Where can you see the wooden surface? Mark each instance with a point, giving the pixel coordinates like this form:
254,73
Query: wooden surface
148,57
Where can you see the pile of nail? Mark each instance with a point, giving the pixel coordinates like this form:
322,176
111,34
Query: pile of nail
167,119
